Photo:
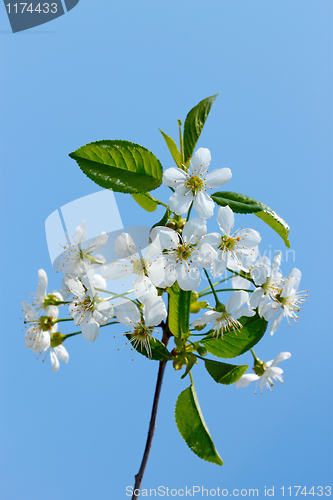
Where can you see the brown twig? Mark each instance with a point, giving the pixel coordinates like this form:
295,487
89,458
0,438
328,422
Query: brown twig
138,477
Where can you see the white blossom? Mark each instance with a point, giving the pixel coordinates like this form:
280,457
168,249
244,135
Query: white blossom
227,320
181,255
290,301
153,313
192,185
231,246
37,337
78,259
269,371
136,266
87,309
42,300
268,281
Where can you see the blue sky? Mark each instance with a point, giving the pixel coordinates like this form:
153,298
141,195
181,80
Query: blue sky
120,71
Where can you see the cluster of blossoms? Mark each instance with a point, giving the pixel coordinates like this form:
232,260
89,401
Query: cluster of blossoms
178,252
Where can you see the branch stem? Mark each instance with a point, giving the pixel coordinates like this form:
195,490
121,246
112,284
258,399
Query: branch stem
139,476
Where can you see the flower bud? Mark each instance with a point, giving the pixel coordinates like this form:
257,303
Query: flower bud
179,362
202,350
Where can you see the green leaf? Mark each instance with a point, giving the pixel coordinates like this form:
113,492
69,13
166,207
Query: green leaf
224,373
194,124
242,204
192,427
172,148
120,165
179,311
191,360
158,350
233,344
146,201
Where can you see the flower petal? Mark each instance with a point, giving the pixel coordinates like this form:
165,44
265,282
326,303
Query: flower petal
256,297
124,245
276,322
80,234
127,313
118,269
259,274
194,230
200,161
144,288
246,380
281,357
54,361
249,238
62,353
90,329
236,301
205,256
225,219
180,200
154,311
75,287
164,238
174,177
220,264
89,286
105,311
243,312
204,205
218,177
97,243
29,312
207,317
188,276
42,285
214,239
162,272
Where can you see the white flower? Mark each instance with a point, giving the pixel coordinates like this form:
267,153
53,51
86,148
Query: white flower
87,309
77,260
134,265
154,312
42,300
269,279
43,335
37,337
227,320
289,301
191,186
231,246
268,372
181,255
247,262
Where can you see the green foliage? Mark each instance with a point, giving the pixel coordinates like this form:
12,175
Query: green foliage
242,204
158,350
120,165
172,148
191,360
146,201
194,123
192,427
224,373
179,311
234,344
